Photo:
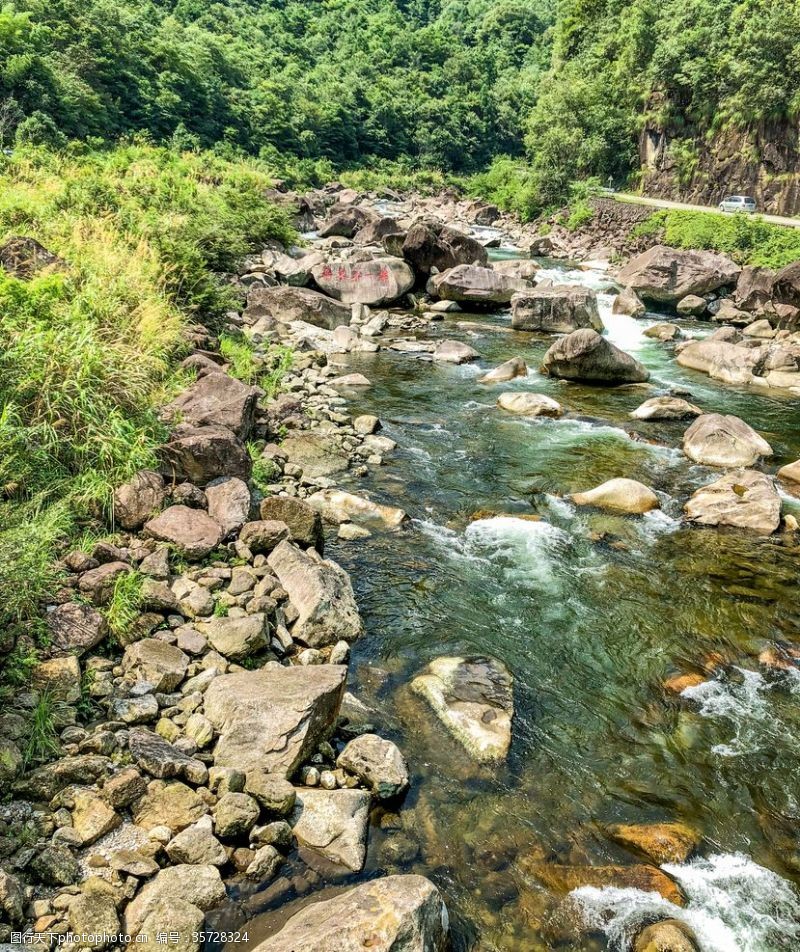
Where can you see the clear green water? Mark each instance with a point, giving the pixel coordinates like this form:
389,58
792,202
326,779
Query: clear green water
590,627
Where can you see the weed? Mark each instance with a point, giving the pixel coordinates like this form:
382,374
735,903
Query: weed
125,604
280,359
238,352
221,609
42,738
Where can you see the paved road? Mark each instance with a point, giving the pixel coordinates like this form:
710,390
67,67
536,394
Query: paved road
683,206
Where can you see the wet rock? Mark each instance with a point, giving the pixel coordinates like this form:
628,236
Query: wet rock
263,536
153,660
529,404
193,533
334,823
375,283
274,717
321,592
516,367
721,360
671,935
377,763
228,503
659,842
725,441
473,698
139,499
454,352
646,878
202,454
265,864
236,638
168,804
317,454
285,304
619,495
629,303
161,759
743,499
667,275
665,332
475,285
217,400
75,628
59,678
665,408
201,886
337,506
390,914
585,355
555,309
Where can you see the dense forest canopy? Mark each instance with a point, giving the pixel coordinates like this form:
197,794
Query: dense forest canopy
452,84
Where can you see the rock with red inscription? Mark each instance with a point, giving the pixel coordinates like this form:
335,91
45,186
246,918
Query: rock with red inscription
375,283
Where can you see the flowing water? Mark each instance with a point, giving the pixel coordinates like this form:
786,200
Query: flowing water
591,612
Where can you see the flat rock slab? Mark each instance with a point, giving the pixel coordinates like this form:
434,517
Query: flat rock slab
273,717
392,914
192,532
473,698
742,499
334,823
317,454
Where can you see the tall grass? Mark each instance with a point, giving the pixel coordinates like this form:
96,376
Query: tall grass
88,349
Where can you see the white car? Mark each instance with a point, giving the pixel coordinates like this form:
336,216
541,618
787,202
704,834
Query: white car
738,203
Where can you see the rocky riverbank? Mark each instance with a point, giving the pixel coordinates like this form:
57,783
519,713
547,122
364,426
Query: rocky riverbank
211,736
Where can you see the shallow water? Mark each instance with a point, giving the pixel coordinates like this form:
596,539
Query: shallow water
591,612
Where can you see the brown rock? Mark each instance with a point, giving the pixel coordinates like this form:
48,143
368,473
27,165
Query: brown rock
139,499
193,533
659,842
202,454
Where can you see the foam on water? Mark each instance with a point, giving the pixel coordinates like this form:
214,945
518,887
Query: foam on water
530,548
734,905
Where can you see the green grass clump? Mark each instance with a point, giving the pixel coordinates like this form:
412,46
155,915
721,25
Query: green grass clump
748,239
42,735
125,604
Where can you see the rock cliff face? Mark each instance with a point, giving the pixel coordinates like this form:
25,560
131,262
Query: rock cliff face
763,162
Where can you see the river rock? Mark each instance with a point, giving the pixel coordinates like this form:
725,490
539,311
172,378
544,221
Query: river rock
92,817
236,638
429,245
98,583
12,897
334,823
555,309
75,628
473,698
664,332
170,804
523,268
273,717
201,886
201,454
375,231
629,303
377,763
273,791
390,914
139,499
665,408
791,474
347,221
585,355
671,935
337,506
454,352
474,285
235,814
516,367
659,842
93,917
193,532
726,441
156,756
529,404
321,592
761,330
721,359
619,495
692,306
284,305
303,520
263,535
197,846
317,454
643,877
667,275
375,283
228,503
153,660
744,499
217,400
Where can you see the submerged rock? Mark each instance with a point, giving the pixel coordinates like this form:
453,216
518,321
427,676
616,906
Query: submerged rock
473,698
392,914
334,823
620,495
743,499
555,309
585,355
725,441
664,332
515,367
646,878
529,404
336,505
659,842
665,408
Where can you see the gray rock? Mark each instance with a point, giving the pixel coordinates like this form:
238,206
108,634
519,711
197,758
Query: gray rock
161,759
304,522
555,309
139,499
202,454
201,886
585,355
272,790
217,400
236,638
665,408
629,303
76,628
172,915
475,285
523,403
235,814
265,864
134,710
228,503
286,304
377,763
153,660
56,866
168,804
193,533
334,823
454,352
197,846
667,275
262,536
375,283
317,454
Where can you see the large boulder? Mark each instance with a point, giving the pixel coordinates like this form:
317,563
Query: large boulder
286,304
786,286
665,408
375,283
659,842
193,532
200,454
345,222
334,823
321,592
474,700
754,288
619,495
273,717
374,232
470,284
743,499
217,400
666,275
555,309
586,355
337,506
727,441
391,914
429,245
527,404
722,360
139,499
